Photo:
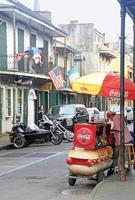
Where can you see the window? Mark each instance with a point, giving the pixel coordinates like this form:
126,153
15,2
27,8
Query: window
8,102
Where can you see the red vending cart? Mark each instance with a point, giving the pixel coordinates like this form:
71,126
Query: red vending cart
91,153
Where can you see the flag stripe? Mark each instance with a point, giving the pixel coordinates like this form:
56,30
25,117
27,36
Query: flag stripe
55,80
56,76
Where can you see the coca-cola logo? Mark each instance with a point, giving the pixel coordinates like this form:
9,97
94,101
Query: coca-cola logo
84,136
116,93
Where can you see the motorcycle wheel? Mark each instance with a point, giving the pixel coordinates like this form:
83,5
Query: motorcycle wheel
69,136
19,142
57,139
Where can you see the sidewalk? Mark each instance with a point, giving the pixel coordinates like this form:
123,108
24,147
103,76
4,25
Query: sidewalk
111,188
4,141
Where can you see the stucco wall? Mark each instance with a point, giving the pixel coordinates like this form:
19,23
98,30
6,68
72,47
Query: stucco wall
82,37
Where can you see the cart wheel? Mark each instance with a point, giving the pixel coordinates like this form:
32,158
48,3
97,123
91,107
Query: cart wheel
100,176
19,142
110,172
71,181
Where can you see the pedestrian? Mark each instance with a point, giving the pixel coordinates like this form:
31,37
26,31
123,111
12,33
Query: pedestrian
114,119
116,128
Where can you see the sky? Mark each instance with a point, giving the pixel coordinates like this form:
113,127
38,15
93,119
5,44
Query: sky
104,14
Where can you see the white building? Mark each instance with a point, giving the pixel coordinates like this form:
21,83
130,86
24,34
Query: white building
24,83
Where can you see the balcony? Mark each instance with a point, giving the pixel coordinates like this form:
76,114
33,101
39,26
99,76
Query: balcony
24,65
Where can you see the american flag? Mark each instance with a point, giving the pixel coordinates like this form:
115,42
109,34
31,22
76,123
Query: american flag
20,55
56,77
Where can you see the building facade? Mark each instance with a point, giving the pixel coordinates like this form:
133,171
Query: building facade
90,42
26,40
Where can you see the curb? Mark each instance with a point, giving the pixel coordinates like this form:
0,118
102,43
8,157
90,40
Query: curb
99,185
95,190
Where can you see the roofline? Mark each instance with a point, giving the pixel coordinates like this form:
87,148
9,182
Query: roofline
67,46
28,11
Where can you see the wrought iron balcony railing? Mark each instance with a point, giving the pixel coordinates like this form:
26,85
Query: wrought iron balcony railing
25,64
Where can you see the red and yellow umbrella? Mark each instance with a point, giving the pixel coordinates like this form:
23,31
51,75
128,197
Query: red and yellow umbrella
104,84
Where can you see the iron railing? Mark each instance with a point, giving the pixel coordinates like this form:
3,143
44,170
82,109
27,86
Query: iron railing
25,64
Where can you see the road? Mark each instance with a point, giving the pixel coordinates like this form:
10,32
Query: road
39,172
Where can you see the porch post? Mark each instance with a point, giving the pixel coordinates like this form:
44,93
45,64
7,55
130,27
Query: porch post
65,61
134,76
122,174
14,37
55,50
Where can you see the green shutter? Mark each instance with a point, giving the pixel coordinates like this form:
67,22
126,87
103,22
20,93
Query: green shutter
71,99
53,99
33,40
1,93
44,100
62,98
21,48
45,55
25,107
3,46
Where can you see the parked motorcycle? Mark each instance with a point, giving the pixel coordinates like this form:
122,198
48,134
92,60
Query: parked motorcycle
46,122
21,136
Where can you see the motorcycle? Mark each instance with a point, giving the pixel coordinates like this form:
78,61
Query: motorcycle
22,136
45,122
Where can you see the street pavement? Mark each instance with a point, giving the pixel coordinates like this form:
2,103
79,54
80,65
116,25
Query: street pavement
109,189
4,141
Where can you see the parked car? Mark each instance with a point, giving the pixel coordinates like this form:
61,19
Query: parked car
128,112
69,114
93,114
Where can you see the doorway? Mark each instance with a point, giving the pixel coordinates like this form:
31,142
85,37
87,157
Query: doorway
31,107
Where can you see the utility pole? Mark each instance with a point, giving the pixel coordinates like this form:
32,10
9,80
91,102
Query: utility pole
14,37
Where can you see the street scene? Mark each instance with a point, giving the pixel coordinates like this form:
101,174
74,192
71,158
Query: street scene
67,100
39,172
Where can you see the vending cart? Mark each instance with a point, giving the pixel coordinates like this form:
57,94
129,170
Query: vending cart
92,152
